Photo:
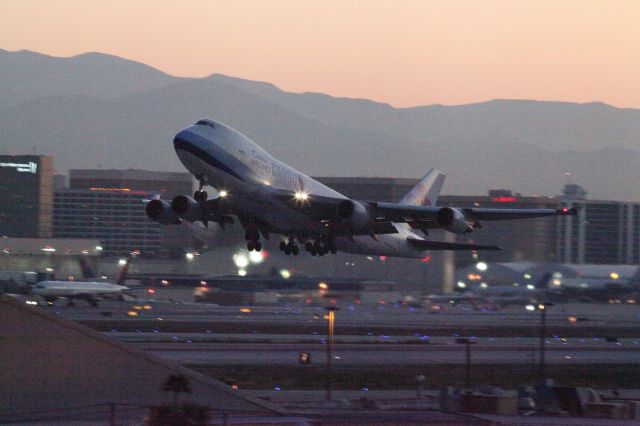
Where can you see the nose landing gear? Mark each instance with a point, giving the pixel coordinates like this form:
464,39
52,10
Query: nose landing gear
200,195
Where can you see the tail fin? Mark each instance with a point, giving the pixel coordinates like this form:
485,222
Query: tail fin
87,272
122,275
426,192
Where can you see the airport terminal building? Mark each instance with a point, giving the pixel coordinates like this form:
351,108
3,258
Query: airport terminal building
108,205
26,196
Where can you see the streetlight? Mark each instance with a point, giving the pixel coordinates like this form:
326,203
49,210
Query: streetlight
332,315
542,307
467,373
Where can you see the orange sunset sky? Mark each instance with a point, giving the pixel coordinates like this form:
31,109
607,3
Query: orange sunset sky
405,53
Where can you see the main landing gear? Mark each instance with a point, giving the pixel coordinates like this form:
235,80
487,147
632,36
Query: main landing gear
318,247
252,238
289,247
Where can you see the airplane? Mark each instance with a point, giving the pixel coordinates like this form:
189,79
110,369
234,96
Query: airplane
90,291
269,197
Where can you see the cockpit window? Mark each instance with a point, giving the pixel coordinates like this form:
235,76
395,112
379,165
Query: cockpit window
206,123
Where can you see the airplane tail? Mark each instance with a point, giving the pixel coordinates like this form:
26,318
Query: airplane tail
122,275
427,191
87,272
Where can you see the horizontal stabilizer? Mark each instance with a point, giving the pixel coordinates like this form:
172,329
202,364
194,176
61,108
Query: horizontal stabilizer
443,245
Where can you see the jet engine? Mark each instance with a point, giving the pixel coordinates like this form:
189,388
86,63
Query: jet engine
187,208
453,220
353,213
161,212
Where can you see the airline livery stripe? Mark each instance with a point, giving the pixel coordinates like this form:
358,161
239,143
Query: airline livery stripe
204,156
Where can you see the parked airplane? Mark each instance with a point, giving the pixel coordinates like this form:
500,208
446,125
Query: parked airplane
90,291
269,197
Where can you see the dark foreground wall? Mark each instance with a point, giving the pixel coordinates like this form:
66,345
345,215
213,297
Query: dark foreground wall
49,365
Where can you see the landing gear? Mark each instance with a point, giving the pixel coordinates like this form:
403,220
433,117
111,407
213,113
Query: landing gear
322,245
318,247
254,245
289,247
252,237
200,195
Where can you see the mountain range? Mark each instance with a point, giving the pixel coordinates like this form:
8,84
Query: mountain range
97,110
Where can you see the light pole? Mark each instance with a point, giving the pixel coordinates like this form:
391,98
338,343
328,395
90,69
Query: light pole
467,373
420,379
542,307
331,317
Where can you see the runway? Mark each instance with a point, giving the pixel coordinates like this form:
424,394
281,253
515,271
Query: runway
365,318
366,335
498,351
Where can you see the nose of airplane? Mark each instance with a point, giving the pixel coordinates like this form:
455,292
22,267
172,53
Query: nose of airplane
183,139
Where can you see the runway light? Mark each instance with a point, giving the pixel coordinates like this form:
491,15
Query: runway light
481,266
531,287
151,290
614,275
323,286
530,308
242,272
462,284
256,257
132,313
122,262
245,310
99,248
527,276
240,260
284,273
189,256
48,249
223,193
483,285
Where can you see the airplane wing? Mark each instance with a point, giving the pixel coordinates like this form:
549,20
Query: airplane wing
384,214
432,216
443,245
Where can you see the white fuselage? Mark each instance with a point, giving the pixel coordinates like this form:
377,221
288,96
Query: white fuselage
231,162
75,288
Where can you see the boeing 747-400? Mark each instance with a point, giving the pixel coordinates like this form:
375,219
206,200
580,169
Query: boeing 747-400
268,197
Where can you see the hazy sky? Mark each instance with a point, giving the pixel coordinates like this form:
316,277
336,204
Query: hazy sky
402,52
